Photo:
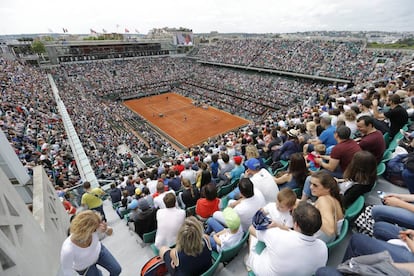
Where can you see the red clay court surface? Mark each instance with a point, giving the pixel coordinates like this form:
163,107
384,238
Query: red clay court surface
186,123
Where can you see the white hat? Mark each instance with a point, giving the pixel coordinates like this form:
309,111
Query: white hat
293,133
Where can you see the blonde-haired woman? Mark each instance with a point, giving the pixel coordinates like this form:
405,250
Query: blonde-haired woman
350,121
192,253
82,250
252,152
311,129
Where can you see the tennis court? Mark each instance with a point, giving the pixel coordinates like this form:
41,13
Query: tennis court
187,123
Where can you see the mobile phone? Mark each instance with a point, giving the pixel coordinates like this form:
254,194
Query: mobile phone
381,195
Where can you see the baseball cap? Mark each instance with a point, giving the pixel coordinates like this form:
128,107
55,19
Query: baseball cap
253,164
237,159
260,221
143,204
231,218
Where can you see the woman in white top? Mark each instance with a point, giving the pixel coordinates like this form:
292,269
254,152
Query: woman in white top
325,188
350,121
82,250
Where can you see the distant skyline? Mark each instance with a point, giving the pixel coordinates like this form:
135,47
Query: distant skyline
225,16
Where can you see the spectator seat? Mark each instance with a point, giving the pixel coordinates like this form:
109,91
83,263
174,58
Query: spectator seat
355,208
341,237
228,254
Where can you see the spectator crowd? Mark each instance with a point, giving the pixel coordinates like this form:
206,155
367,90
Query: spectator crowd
347,59
295,125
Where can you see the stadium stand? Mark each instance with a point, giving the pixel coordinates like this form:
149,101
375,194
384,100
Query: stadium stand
93,92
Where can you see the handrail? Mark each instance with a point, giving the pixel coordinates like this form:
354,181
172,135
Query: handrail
82,162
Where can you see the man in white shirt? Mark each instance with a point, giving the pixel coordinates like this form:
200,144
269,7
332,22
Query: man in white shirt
294,252
152,182
169,221
262,180
250,201
159,199
226,165
188,173
364,107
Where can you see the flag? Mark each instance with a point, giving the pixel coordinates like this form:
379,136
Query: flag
93,32
104,31
126,30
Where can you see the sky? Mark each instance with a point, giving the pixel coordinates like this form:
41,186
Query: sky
224,16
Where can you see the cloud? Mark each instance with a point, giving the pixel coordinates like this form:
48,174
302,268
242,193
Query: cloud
260,16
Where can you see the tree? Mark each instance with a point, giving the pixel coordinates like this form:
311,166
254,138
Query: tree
38,47
48,38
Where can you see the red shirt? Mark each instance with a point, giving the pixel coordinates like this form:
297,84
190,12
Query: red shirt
68,207
179,168
205,208
344,152
374,143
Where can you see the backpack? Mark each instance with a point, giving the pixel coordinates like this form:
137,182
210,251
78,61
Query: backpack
154,267
276,166
393,172
409,162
